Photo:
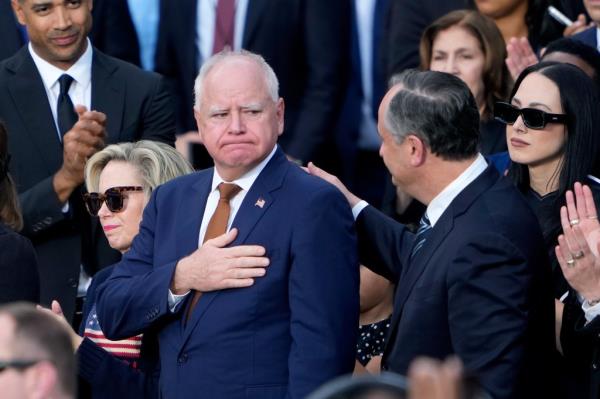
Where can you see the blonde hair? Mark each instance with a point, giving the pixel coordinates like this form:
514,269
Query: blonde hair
156,163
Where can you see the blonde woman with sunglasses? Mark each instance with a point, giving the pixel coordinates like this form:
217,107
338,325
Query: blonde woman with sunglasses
119,180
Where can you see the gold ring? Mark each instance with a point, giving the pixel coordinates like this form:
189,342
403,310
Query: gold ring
592,217
573,222
578,255
571,262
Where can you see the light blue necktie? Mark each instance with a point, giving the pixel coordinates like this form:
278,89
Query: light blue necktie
421,236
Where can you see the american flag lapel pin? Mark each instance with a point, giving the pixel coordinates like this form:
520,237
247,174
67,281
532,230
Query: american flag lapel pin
260,202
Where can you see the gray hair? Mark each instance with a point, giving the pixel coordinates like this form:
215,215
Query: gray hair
439,109
156,163
271,82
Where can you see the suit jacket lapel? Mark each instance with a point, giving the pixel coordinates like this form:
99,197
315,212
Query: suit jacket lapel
253,16
250,212
29,95
108,94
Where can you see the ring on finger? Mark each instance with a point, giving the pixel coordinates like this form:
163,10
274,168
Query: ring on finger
578,255
573,222
570,262
592,217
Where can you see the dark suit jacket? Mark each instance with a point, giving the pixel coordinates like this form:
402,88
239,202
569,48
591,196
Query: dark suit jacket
137,106
105,376
304,41
9,31
581,348
19,279
293,330
588,36
113,31
479,288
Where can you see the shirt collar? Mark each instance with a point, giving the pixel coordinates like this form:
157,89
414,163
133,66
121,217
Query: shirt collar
442,201
247,179
80,71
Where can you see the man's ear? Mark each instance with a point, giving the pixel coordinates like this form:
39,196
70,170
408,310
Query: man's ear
280,110
418,150
18,10
42,380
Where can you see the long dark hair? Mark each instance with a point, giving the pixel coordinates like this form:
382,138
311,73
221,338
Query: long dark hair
579,100
10,212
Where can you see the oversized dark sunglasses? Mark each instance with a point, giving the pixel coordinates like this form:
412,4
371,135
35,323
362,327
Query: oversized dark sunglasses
532,118
114,198
17,364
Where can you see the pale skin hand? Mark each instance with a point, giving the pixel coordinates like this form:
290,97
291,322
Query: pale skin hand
581,239
316,171
184,141
430,379
81,142
579,25
520,55
57,313
214,267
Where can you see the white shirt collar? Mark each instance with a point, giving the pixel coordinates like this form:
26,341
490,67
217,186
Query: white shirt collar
80,71
598,38
247,179
438,205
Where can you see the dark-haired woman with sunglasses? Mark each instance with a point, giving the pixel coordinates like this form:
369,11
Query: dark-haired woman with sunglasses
120,179
552,136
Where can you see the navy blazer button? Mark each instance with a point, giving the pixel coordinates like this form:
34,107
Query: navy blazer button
72,282
595,366
182,358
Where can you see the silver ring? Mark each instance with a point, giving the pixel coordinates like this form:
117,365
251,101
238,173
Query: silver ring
578,255
571,262
592,217
573,222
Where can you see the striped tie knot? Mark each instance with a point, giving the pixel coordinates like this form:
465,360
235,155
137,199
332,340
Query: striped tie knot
421,235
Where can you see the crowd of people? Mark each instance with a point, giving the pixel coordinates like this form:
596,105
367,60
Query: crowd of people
300,199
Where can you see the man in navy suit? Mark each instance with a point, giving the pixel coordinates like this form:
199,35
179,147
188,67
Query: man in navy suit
280,335
474,280
123,103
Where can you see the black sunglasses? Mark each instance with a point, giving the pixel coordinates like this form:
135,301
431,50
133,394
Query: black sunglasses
17,364
114,198
532,118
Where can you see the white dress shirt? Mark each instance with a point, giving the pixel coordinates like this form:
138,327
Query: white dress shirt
206,14
245,182
81,87
442,201
598,38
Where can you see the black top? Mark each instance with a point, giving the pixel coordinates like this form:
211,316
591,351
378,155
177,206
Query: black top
18,267
547,211
492,137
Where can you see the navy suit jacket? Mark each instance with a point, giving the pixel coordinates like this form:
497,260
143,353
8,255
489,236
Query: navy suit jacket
588,36
480,288
137,105
293,330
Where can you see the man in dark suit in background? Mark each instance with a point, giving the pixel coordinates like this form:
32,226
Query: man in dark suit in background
12,36
474,280
50,142
292,328
305,41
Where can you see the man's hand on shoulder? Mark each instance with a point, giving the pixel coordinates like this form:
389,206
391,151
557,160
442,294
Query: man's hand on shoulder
214,267
84,139
328,177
